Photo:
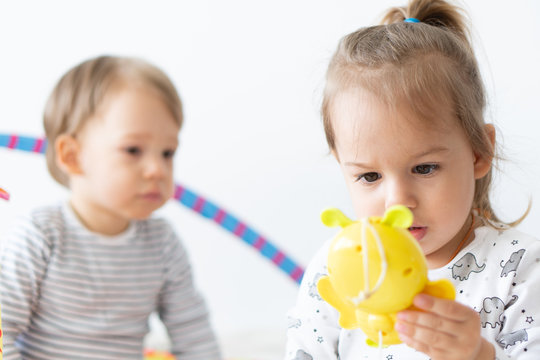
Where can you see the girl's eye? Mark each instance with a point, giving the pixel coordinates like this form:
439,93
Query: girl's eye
369,177
133,150
167,154
425,169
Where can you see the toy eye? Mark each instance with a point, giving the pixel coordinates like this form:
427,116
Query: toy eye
407,272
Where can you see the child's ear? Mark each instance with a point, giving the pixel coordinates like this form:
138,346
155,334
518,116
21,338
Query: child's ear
67,154
482,164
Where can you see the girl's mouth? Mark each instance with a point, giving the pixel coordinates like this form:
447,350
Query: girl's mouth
418,232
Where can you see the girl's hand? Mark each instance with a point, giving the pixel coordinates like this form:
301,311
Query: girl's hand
444,330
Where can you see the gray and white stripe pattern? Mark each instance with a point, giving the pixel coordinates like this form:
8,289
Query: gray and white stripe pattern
68,293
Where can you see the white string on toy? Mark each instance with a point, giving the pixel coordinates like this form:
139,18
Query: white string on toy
366,293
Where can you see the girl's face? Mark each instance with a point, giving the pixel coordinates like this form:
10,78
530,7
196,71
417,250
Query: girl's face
391,157
125,156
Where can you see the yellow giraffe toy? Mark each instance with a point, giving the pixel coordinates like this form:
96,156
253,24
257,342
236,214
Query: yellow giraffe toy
375,269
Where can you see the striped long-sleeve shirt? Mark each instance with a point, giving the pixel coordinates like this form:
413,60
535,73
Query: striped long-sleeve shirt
68,293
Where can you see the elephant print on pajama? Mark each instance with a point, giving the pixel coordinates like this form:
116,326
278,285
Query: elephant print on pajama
313,292
513,338
512,263
492,311
293,322
465,266
302,355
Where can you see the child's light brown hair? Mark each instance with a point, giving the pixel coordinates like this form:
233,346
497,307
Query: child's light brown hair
79,94
421,65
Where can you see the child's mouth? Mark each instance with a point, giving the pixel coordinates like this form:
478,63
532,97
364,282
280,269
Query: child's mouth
152,196
418,232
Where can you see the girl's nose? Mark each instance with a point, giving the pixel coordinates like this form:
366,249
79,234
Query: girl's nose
400,192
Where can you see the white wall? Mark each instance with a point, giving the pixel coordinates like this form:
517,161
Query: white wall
250,74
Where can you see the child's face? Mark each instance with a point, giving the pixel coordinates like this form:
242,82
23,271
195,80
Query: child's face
126,160
391,158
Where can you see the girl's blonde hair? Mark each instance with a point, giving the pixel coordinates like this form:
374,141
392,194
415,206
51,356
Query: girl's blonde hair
425,65
82,90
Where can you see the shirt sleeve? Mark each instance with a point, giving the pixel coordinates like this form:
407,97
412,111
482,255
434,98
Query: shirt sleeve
313,329
24,258
182,308
519,337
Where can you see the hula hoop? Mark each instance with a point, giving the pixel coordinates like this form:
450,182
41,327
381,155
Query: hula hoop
198,204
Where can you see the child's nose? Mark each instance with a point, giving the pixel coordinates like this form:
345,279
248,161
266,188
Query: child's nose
400,192
155,168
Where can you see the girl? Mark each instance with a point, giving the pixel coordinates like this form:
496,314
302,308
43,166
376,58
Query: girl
79,279
403,115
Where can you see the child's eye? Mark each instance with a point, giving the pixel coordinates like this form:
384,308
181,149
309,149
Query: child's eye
425,169
167,154
369,177
133,150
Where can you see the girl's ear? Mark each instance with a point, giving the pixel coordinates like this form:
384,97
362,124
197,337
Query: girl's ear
482,164
67,154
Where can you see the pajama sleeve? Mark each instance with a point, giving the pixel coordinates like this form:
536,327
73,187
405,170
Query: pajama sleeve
520,334
313,329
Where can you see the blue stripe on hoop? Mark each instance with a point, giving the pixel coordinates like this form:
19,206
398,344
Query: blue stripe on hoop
26,143
250,236
4,140
198,204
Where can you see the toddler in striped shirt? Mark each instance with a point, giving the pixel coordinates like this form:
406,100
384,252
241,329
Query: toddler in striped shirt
79,279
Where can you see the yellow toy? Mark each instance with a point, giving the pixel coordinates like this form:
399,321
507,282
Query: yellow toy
375,269
157,355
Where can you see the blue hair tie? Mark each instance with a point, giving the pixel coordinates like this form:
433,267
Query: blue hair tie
411,20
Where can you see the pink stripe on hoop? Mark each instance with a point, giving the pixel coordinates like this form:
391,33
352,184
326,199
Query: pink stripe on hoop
220,216
13,140
240,229
199,203
296,273
259,243
178,192
38,146
3,195
278,258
